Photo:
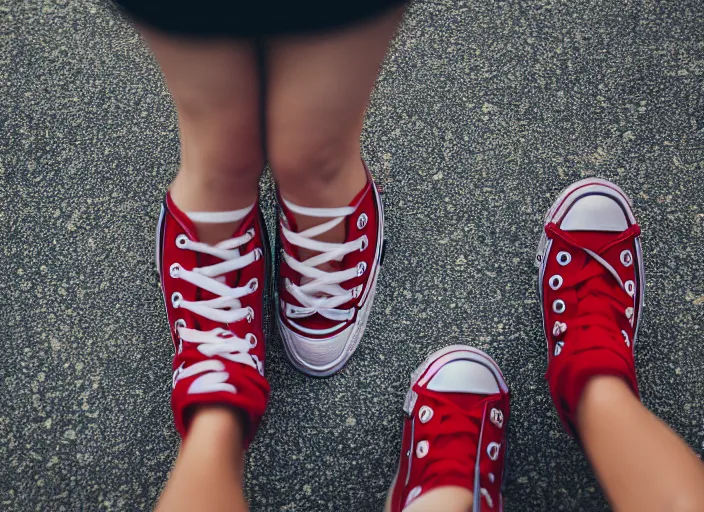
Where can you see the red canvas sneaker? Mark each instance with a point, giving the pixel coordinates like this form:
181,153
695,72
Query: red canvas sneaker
454,430
591,285
213,296
322,313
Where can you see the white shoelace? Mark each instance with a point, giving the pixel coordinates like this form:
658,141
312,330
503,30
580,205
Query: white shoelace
225,308
321,291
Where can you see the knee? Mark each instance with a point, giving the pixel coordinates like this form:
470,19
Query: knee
220,140
312,165
229,151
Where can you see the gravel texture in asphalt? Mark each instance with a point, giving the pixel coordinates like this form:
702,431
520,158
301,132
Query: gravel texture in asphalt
482,113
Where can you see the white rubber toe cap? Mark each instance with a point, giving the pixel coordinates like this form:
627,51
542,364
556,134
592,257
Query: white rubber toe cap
464,376
316,355
595,212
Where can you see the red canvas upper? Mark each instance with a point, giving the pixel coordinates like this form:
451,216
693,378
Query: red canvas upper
460,431
367,207
251,388
594,332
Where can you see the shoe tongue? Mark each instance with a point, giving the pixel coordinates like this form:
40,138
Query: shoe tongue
603,283
593,240
465,401
597,324
233,278
458,435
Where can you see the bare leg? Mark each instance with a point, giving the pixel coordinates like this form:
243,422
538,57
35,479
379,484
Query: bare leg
215,85
209,467
317,95
642,464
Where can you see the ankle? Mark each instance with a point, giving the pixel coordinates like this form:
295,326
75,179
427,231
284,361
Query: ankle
193,195
600,394
340,194
217,422
323,186
214,192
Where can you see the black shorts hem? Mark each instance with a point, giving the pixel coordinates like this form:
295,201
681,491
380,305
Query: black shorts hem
217,18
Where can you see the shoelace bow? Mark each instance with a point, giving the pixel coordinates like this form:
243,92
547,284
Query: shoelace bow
226,308
453,446
321,291
596,284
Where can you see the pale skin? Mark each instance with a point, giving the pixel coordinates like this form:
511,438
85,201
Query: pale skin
642,464
316,95
639,461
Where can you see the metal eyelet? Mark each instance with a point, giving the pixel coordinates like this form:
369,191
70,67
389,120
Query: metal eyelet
413,494
630,287
491,477
425,414
361,268
362,221
626,258
176,299
252,340
260,365
558,348
555,282
253,284
174,270
559,306
485,494
181,241
629,313
178,324
176,376
422,449
365,243
559,328
250,315
493,450
626,339
357,291
497,417
563,258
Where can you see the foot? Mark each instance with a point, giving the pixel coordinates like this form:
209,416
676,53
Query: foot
454,431
325,300
214,296
591,285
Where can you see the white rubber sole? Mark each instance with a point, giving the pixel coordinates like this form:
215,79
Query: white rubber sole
347,352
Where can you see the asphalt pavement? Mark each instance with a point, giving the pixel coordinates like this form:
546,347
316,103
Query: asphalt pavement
482,113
